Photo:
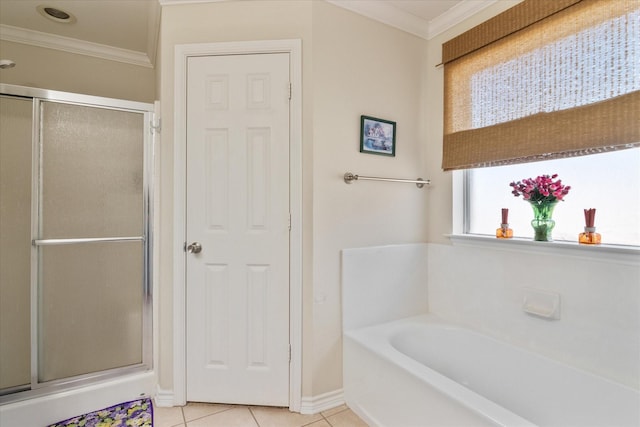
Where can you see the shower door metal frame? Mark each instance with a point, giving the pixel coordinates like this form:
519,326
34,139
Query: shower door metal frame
37,388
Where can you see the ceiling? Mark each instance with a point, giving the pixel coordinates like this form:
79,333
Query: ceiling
127,30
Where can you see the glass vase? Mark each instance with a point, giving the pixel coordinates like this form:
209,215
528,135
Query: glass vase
542,221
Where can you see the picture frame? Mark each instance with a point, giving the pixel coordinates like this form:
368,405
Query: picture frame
377,136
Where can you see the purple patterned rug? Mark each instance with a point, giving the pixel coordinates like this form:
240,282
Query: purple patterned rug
137,413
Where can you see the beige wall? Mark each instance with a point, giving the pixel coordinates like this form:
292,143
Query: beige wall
359,67
69,72
364,67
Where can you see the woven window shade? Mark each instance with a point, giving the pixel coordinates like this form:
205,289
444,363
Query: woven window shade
546,79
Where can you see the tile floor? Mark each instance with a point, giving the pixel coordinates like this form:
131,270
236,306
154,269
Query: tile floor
215,415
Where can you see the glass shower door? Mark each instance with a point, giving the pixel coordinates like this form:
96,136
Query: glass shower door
75,221
75,246
90,242
15,243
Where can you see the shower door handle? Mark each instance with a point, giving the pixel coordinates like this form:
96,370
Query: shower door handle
194,248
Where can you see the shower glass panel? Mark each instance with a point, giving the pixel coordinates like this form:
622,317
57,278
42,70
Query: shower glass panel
75,257
15,242
91,308
91,293
92,172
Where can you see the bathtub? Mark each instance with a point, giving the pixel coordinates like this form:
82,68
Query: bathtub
422,371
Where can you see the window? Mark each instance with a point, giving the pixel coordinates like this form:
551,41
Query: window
609,182
548,87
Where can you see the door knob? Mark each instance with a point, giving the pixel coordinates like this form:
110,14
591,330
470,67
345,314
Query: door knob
194,248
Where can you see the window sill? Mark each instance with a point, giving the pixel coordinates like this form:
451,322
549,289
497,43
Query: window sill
609,253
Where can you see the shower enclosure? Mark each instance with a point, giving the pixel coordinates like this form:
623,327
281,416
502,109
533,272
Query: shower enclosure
75,240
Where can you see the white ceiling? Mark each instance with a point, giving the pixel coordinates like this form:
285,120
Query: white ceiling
127,30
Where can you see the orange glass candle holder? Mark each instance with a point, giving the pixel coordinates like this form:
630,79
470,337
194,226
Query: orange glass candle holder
589,236
504,232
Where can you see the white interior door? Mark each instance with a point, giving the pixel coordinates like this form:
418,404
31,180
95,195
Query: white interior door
237,211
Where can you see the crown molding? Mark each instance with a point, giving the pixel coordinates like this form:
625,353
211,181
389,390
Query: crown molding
70,45
456,15
386,13
153,32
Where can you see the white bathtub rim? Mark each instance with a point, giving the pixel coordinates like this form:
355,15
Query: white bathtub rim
466,397
382,347
435,319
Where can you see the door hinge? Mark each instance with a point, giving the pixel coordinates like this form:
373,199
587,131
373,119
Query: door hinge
289,223
289,353
290,91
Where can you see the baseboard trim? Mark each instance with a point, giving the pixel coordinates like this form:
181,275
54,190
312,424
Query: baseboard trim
164,398
309,405
322,402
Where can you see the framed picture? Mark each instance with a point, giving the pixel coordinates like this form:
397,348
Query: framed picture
377,136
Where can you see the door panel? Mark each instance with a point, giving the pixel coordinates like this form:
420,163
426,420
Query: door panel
238,209
74,240
91,299
15,241
91,186
99,153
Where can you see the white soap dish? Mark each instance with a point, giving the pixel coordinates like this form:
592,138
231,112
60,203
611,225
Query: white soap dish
541,303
